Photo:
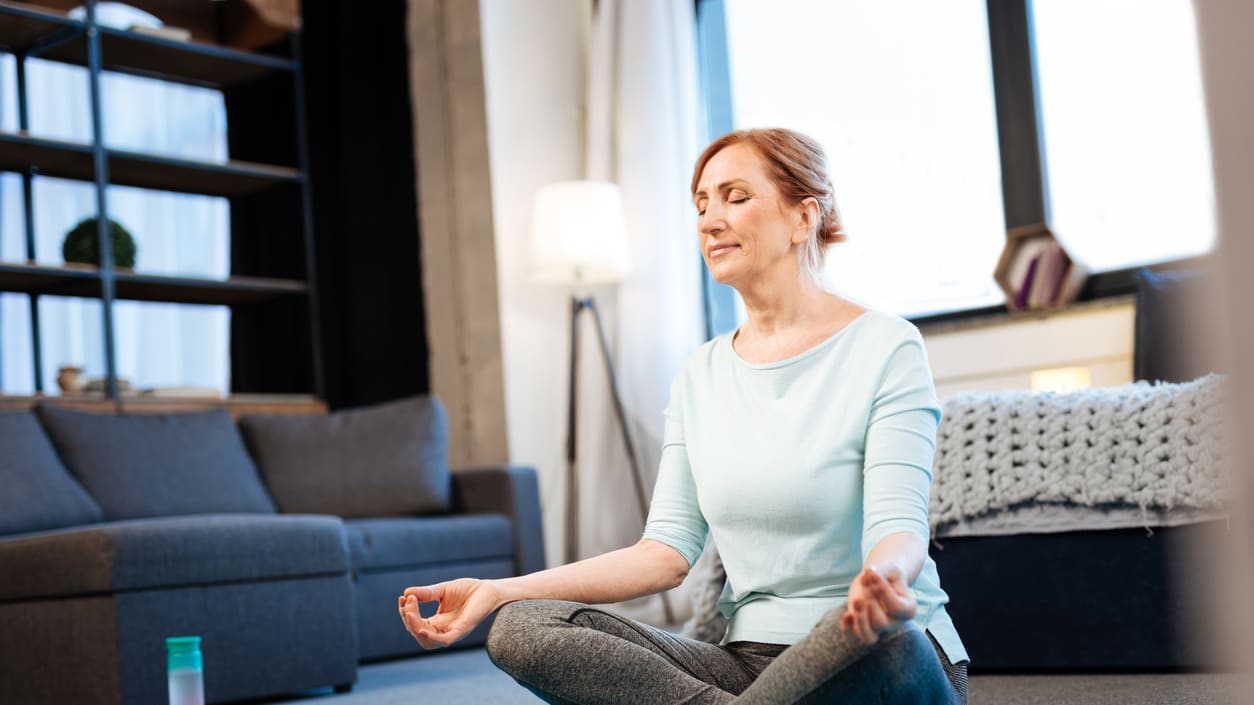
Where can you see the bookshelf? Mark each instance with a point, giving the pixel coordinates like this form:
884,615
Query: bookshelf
43,30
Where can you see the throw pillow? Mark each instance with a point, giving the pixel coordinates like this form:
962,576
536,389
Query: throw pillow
148,465
383,460
38,491
708,578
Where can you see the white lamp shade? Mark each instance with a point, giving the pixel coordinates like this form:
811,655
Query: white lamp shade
579,234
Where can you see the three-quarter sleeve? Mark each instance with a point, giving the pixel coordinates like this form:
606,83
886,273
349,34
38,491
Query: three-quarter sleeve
900,443
675,516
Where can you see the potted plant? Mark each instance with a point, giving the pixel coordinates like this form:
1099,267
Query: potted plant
82,244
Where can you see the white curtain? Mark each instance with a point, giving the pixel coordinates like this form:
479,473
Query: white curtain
642,134
177,234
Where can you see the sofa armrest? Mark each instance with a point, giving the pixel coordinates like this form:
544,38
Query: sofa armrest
514,491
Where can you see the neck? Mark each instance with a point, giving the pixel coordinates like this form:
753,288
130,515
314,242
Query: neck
782,302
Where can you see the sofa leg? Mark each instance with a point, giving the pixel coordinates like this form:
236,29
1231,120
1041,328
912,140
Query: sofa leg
343,688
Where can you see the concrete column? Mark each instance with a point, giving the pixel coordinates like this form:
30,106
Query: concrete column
458,243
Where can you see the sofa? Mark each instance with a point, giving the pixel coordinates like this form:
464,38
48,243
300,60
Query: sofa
282,540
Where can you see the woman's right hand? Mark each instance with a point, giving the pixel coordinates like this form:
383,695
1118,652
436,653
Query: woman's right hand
464,603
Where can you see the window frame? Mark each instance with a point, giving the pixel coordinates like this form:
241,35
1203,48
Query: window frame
1024,172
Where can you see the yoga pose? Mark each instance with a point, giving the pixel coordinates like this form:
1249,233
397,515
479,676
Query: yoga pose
803,444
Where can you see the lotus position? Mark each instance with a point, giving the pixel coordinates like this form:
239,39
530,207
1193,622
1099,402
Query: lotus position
802,443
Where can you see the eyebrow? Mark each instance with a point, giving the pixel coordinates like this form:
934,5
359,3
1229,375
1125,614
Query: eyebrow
719,187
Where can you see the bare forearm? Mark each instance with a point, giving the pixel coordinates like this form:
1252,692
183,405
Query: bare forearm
635,571
904,550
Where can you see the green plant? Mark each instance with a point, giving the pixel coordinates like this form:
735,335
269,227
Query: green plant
82,244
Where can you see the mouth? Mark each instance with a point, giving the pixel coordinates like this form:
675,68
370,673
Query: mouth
721,250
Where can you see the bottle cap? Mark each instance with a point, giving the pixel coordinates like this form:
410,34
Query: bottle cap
183,652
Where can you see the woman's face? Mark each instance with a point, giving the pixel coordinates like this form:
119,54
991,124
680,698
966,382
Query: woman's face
745,225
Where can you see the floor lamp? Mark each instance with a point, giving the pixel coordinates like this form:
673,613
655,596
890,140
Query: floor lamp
579,239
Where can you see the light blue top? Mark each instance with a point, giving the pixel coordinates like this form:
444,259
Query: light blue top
798,468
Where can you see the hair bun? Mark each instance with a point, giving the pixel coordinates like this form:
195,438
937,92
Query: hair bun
830,230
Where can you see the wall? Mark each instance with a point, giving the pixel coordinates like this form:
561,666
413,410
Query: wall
1002,353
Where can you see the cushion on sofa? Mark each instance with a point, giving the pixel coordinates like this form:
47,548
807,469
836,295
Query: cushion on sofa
147,465
38,492
171,552
381,544
383,460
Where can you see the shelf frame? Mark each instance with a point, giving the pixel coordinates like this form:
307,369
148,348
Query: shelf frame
84,281
70,160
28,31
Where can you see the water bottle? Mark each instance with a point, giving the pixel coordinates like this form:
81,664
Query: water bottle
186,670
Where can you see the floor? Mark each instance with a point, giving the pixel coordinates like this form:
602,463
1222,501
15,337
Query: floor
466,676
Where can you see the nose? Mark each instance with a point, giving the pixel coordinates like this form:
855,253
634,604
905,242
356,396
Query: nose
710,223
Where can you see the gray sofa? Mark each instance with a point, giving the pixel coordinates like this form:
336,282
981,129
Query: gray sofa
282,541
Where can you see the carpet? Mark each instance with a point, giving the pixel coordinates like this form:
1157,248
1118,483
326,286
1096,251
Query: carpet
467,676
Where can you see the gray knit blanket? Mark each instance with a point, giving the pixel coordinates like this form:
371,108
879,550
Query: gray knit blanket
1152,446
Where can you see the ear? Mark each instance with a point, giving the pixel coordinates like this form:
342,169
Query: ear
807,220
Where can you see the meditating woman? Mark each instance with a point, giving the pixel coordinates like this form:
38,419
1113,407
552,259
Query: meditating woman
803,443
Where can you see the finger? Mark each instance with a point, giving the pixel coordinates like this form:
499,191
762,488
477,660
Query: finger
432,637
865,633
424,593
418,628
900,607
877,620
846,624
446,637
873,577
412,615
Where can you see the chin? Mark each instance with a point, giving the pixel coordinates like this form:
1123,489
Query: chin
725,275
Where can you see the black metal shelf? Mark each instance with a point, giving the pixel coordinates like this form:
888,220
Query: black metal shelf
85,282
24,27
51,35
31,31
69,160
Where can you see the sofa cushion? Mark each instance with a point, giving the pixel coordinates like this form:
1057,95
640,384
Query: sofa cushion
170,552
148,465
384,460
381,544
38,492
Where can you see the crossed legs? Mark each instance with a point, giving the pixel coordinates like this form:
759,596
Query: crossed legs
572,654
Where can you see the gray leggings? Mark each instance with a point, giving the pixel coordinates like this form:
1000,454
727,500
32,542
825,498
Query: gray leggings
572,654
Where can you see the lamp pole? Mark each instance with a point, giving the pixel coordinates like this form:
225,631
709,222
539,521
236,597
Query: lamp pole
578,304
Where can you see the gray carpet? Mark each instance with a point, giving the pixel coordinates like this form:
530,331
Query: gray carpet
1123,689
466,676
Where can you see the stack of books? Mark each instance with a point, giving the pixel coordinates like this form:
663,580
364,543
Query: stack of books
1035,271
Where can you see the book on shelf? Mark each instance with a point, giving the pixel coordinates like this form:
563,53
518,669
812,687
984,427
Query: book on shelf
185,392
1024,287
1048,282
1028,250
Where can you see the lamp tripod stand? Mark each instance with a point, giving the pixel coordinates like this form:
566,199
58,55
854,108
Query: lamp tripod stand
577,305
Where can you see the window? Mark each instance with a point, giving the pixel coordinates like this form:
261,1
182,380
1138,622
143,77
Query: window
1127,151
901,96
908,121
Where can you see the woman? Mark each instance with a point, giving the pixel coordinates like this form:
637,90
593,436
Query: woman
803,442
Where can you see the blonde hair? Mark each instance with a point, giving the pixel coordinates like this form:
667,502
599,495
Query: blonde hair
798,168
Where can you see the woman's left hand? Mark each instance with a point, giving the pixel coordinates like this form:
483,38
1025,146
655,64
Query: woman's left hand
880,602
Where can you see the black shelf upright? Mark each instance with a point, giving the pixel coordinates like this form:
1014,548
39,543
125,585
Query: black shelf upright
100,168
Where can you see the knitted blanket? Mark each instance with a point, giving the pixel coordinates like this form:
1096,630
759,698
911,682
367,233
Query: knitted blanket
1153,446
